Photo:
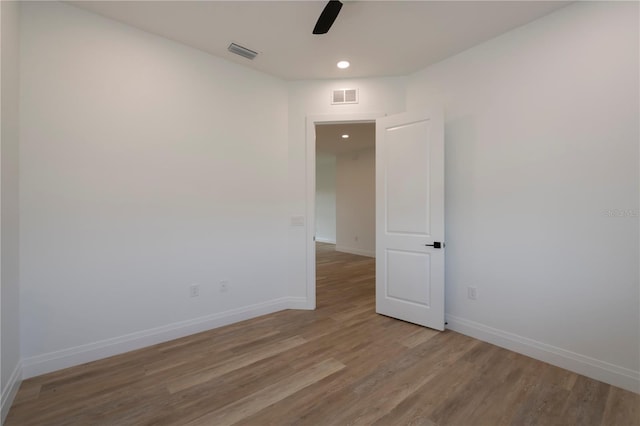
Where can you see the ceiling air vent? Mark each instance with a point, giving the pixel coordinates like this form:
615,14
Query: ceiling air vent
242,51
344,96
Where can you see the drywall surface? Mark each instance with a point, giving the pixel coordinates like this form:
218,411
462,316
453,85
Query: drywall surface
10,243
542,183
326,198
146,167
313,98
356,202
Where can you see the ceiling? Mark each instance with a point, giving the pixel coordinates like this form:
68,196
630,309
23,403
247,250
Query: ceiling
379,38
329,139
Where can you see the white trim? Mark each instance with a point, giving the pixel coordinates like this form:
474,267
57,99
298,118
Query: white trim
325,240
310,177
359,252
301,303
586,366
10,390
52,361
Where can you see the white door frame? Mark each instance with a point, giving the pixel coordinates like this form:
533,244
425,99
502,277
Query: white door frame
312,120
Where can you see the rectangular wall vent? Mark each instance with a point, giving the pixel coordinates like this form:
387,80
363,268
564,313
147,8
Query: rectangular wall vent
242,51
344,96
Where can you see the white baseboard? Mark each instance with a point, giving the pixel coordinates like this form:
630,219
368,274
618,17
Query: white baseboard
10,390
325,240
52,361
359,252
300,303
599,370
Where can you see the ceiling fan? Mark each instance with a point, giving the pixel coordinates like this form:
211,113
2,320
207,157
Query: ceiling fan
327,17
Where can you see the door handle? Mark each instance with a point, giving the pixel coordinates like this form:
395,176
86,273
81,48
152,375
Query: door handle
436,244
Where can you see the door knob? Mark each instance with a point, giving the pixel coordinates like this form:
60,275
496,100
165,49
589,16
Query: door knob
436,244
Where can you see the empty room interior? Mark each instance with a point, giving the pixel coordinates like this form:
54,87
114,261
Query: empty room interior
320,212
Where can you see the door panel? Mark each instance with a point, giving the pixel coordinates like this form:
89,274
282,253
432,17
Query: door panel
410,217
407,189
407,275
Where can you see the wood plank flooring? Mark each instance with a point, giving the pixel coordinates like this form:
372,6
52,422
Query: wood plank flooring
338,365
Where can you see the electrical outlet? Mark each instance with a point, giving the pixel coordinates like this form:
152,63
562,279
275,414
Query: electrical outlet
194,290
224,286
472,293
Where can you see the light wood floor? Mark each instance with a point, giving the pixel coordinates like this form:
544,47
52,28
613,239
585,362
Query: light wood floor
341,364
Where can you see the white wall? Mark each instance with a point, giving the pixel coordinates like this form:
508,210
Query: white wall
541,142
10,245
326,198
146,166
356,202
313,98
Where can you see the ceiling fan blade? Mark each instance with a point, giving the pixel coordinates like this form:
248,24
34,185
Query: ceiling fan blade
328,15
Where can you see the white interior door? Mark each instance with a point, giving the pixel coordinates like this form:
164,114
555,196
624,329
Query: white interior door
410,218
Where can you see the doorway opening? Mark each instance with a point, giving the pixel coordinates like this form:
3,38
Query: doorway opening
330,220
345,205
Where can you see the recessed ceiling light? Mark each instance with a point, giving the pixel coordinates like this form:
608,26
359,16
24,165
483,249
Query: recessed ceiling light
345,136
343,64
